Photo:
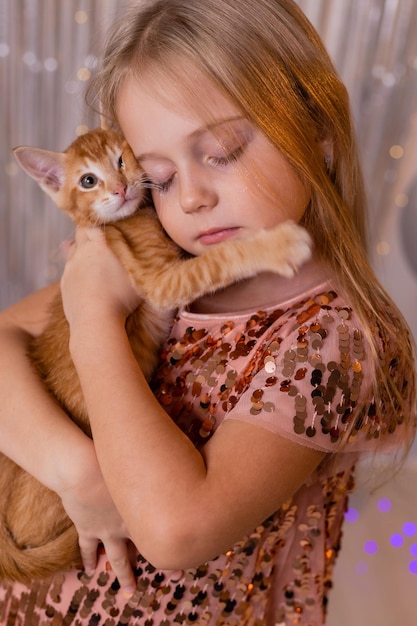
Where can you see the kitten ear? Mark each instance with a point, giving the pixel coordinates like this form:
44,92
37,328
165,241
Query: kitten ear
45,166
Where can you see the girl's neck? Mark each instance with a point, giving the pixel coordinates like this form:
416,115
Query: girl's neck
261,291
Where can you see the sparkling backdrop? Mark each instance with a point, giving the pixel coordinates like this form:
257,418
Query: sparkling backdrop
48,51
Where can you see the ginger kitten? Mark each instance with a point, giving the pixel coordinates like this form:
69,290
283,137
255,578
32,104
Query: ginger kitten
97,181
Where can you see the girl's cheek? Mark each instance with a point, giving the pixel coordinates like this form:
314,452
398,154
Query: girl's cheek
163,213
157,202
162,208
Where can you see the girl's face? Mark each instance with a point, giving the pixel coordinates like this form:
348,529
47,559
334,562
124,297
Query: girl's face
212,181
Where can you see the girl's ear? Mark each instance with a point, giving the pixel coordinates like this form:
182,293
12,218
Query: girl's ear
327,148
329,153
44,166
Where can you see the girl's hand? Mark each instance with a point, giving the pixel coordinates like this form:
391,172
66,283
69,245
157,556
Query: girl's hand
94,283
91,508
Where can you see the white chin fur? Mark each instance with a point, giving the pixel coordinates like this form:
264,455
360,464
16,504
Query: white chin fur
117,210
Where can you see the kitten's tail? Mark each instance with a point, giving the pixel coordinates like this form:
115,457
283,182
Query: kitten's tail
24,565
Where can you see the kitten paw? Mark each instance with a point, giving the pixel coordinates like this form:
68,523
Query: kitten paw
290,245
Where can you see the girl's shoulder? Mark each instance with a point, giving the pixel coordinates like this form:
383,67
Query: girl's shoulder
310,370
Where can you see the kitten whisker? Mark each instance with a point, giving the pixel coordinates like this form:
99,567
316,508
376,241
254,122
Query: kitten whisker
148,184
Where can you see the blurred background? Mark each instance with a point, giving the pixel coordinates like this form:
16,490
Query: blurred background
48,52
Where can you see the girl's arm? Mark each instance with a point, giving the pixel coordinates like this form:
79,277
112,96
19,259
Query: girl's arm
182,507
38,436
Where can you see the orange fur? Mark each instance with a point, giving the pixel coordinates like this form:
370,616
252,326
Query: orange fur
97,181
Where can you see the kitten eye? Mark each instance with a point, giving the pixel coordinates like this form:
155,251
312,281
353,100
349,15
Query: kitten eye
88,181
121,162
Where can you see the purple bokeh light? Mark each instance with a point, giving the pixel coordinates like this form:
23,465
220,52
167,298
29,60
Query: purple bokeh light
396,540
351,515
371,547
409,529
384,505
361,568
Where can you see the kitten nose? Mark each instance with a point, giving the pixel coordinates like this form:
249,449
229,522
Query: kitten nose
120,190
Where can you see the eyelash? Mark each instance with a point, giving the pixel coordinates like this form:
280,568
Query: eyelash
159,187
232,157
163,187
222,161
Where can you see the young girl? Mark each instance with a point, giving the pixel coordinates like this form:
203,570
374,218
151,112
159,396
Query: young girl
230,475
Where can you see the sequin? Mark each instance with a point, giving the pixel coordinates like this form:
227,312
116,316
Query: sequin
300,373
270,367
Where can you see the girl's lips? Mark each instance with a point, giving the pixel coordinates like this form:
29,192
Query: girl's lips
216,236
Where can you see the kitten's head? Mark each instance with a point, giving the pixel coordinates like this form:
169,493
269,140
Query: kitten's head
96,180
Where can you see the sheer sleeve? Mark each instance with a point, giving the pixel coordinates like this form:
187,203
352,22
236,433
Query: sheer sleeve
314,383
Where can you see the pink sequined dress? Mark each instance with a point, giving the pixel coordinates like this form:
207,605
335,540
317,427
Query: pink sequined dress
298,369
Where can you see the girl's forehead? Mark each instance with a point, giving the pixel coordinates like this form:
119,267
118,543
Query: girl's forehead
185,91
152,118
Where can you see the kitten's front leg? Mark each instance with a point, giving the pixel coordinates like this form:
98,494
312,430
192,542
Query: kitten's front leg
281,250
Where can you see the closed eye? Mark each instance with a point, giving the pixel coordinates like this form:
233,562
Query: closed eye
159,187
216,161
227,159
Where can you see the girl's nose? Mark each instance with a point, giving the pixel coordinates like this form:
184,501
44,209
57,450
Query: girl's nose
196,193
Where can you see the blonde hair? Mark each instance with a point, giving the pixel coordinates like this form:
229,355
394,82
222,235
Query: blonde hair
269,61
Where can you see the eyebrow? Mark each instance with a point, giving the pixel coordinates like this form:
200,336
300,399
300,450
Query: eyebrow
195,133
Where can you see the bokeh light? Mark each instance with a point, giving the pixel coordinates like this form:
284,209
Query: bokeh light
384,505
396,540
351,515
371,547
409,529
361,568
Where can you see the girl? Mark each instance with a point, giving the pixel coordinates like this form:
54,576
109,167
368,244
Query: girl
231,474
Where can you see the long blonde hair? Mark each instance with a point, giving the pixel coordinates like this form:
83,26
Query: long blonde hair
269,61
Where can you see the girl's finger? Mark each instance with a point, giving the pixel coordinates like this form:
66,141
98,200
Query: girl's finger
117,553
88,550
